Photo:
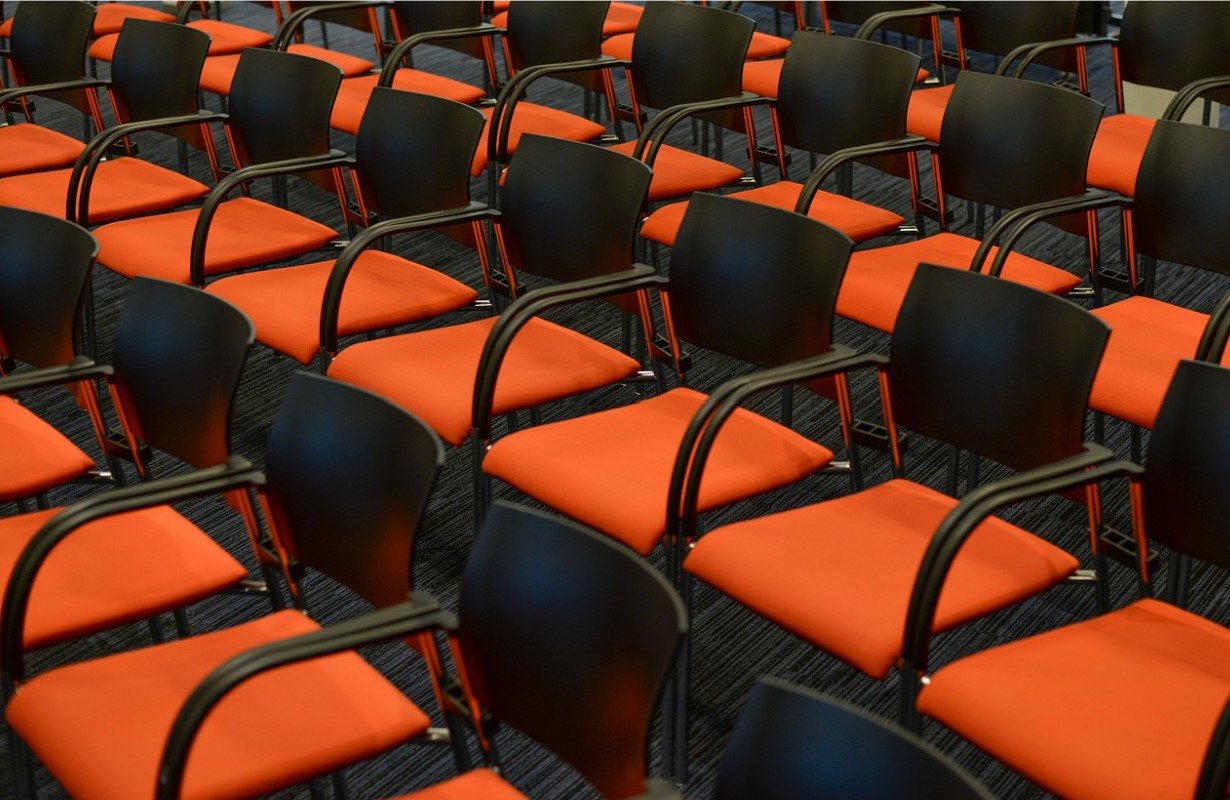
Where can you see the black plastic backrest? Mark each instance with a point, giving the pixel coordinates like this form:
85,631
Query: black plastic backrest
1010,142
348,477
569,210
1004,25
794,744
554,31
1182,193
754,282
413,152
684,53
994,367
44,271
1171,44
822,97
178,355
1186,504
423,16
280,105
49,40
156,68
567,637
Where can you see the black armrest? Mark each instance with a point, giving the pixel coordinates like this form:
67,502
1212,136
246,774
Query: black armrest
236,473
420,613
829,165
16,92
79,369
654,134
1012,226
403,47
1179,104
292,24
1039,48
873,23
1216,331
332,302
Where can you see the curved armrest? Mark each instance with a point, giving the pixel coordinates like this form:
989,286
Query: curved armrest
82,176
905,144
1183,99
1012,226
1092,464
332,301
1039,48
79,369
403,47
873,23
16,92
292,24
289,166
420,613
654,134
529,305
236,473
513,91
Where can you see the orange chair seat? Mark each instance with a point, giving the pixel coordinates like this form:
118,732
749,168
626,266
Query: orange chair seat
478,784
621,18
1118,148
1148,339
35,456
766,45
101,725
859,221
618,46
533,118
224,38
354,93
109,17
761,77
925,115
432,372
219,71
1155,678
29,148
839,574
382,291
876,280
678,172
115,570
611,470
245,232
6,28
122,187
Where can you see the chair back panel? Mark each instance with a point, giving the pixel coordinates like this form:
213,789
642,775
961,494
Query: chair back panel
413,152
178,356
348,477
1010,142
754,282
45,264
156,68
569,210
567,637
686,53
280,105
1004,25
555,31
1182,193
792,744
424,16
1169,45
1186,504
49,41
994,367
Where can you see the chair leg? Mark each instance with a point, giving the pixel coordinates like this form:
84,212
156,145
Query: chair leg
679,769
155,630
482,484
183,628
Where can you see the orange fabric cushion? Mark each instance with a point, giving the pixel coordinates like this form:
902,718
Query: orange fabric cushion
100,725
114,570
925,115
122,187
432,372
110,16
678,172
533,118
478,784
354,93
382,291
1148,339
6,28
1118,148
26,148
764,45
103,48
35,456
611,470
1157,676
876,280
839,574
225,37
351,66
621,18
761,77
619,46
244,232
859,221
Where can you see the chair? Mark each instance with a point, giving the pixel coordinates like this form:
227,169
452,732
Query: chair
551,224
153,88
348,477
224,37
793,744
412,172
277,125
562,636
1148,654
48,50
1015,145
836,93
